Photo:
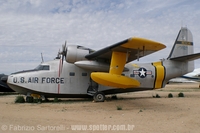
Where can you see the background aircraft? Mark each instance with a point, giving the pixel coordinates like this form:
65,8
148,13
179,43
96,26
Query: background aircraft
189,77
194,76
3,86
86,72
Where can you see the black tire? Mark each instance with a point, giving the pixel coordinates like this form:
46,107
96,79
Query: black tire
99,97
29,99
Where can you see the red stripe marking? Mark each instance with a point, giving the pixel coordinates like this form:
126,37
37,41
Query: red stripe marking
59,72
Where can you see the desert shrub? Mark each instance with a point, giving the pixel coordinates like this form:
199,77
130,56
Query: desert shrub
37,100
56,100
180,94
114,97
157,96
29,99
119,107
170,95
19,99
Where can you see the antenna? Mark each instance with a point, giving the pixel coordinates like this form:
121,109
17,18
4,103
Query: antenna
181,23
42,57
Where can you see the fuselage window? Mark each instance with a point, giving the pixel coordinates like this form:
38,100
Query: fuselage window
84,74
71,74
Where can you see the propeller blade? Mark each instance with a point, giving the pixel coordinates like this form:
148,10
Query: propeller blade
65,45
64,51
62,54
62,60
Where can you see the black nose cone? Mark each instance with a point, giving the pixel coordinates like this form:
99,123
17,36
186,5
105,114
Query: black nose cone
4,78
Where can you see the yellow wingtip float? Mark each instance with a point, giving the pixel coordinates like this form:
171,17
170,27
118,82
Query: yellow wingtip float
114,80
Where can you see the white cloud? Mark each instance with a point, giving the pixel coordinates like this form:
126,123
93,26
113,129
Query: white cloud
29,27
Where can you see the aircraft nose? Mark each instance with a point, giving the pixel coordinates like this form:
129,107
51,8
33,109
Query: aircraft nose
4,78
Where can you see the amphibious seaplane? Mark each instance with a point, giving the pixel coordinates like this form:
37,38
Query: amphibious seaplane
86,72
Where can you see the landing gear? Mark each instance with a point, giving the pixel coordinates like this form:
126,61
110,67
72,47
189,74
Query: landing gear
34,98
92,90
99,97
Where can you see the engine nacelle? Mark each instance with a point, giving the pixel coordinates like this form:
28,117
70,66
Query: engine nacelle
76,53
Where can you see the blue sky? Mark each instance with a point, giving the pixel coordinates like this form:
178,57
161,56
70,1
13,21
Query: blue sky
31,27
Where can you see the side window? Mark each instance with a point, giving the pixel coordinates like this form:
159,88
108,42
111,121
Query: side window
71,74
84,74
132,75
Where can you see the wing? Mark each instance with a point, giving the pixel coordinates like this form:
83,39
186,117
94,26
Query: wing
135,47
118,55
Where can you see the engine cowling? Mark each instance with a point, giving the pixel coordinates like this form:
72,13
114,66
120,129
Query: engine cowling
76,53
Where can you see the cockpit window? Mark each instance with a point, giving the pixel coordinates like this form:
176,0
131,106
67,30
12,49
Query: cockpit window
45,68
38,68
42,67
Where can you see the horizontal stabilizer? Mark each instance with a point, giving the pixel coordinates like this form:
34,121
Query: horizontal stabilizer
190,57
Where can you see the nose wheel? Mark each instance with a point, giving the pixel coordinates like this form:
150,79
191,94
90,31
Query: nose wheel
99,97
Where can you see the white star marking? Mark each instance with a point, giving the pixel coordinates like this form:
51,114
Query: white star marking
142,72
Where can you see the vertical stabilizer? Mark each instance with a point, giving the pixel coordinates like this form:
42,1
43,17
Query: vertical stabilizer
183,45
183,50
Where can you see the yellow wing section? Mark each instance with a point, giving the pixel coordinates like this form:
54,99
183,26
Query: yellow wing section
135,48
117,62
143,44
118,55
114,80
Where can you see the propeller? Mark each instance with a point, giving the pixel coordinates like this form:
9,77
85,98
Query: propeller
63,52
62,55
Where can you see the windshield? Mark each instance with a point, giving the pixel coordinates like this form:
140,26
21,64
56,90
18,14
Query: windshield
42,67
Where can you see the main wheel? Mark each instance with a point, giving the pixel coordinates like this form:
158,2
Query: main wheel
99,97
